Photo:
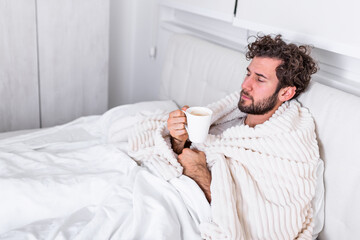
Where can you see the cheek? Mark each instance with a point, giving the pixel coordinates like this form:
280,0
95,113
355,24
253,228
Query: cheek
259,89
263,90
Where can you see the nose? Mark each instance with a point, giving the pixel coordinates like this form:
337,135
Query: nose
247,83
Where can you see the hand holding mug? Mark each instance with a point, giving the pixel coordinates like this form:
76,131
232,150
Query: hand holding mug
176,124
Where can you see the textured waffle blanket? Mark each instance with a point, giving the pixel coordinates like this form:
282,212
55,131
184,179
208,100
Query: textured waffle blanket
263,178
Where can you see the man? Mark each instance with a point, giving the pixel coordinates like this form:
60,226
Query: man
278,72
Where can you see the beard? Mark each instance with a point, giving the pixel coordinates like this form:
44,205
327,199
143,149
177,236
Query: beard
259,108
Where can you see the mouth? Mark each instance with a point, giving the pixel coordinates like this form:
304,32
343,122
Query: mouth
245,96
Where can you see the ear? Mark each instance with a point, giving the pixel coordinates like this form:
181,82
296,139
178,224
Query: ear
286,93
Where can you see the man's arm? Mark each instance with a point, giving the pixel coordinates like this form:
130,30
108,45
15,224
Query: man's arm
177,145
194,164
176,125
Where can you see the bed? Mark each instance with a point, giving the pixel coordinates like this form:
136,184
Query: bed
77,180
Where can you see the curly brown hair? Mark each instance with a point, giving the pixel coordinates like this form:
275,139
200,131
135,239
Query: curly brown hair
297,65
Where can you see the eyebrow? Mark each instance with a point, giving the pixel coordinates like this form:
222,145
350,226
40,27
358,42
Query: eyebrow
258,74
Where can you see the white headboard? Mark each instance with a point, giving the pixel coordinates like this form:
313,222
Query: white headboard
197,72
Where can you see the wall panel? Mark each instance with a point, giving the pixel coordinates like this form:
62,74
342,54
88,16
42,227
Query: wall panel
19,103
73,56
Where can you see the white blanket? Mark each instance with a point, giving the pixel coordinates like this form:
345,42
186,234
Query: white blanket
77,181
263,178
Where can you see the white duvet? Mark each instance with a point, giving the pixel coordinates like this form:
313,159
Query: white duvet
76,181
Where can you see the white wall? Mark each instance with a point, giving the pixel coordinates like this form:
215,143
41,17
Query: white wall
132,34
330,25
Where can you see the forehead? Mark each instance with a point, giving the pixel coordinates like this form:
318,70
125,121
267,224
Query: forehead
265,65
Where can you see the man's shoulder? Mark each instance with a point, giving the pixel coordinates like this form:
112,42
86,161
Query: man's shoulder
293,115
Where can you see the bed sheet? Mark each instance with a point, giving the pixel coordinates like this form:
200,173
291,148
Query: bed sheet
76,181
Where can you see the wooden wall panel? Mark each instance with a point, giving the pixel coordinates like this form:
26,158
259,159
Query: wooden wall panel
19,103
73,56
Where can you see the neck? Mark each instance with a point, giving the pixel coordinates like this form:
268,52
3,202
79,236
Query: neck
253,120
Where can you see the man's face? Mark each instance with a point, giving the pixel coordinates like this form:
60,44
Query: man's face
259,93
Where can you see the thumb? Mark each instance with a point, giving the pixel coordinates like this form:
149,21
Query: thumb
185,107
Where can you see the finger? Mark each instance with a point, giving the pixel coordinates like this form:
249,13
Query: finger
176,113
178,126
176,120
180,133
185,107
180,158
187,151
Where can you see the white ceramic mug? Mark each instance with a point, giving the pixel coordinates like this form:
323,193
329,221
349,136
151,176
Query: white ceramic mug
198,123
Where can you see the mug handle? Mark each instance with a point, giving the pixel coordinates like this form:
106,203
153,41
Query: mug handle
186,123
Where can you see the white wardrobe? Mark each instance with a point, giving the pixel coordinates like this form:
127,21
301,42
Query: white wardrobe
53,61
